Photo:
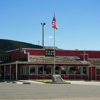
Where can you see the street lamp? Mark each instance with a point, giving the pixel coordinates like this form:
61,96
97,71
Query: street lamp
43,34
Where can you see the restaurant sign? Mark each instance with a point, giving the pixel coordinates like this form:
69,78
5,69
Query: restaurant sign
50,52
5,57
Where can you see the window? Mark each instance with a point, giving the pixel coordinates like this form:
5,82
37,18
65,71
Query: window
64,70
40,69
78,70
27,69
74,69
70,70
84,70
24,70
60,70
32,69
57,70
98,70
48,70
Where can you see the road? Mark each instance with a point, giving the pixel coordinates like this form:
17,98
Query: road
49,92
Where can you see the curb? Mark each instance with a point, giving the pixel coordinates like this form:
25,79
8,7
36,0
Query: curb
26,83
14,82
17,82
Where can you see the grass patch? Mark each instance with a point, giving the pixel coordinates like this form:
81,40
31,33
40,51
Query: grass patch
47,80
44,80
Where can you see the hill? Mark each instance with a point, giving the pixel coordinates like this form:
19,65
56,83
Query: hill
6,45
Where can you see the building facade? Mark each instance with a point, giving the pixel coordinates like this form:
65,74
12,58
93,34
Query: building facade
28,63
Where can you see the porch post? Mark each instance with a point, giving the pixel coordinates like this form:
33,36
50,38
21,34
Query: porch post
10,71
37,71
91,72
81,72
95,73
88,72
4,72
16,70
67,71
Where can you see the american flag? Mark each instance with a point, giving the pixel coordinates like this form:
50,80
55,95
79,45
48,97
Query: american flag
54,23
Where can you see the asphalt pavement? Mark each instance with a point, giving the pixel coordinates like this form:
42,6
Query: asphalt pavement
77,90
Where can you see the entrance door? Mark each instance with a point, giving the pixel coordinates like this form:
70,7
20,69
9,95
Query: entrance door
12,73
92,73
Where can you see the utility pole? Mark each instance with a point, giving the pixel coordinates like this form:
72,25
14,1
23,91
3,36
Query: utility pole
43,34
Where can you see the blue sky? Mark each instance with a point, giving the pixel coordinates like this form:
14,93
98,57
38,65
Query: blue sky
78,22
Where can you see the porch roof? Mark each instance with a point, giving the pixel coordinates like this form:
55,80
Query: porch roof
49,60
95,62
58,60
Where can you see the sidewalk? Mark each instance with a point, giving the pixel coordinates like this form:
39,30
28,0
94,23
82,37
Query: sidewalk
83,82
27,82
80,82
21,81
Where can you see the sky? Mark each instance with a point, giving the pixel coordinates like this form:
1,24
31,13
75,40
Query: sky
78,22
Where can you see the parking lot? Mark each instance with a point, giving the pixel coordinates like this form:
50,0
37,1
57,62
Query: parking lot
72,91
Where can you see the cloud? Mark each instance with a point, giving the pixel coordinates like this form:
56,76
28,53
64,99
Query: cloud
51,37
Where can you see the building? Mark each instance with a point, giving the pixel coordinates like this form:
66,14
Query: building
28,63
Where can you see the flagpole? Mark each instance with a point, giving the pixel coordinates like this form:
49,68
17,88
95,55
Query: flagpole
54,52
54,25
